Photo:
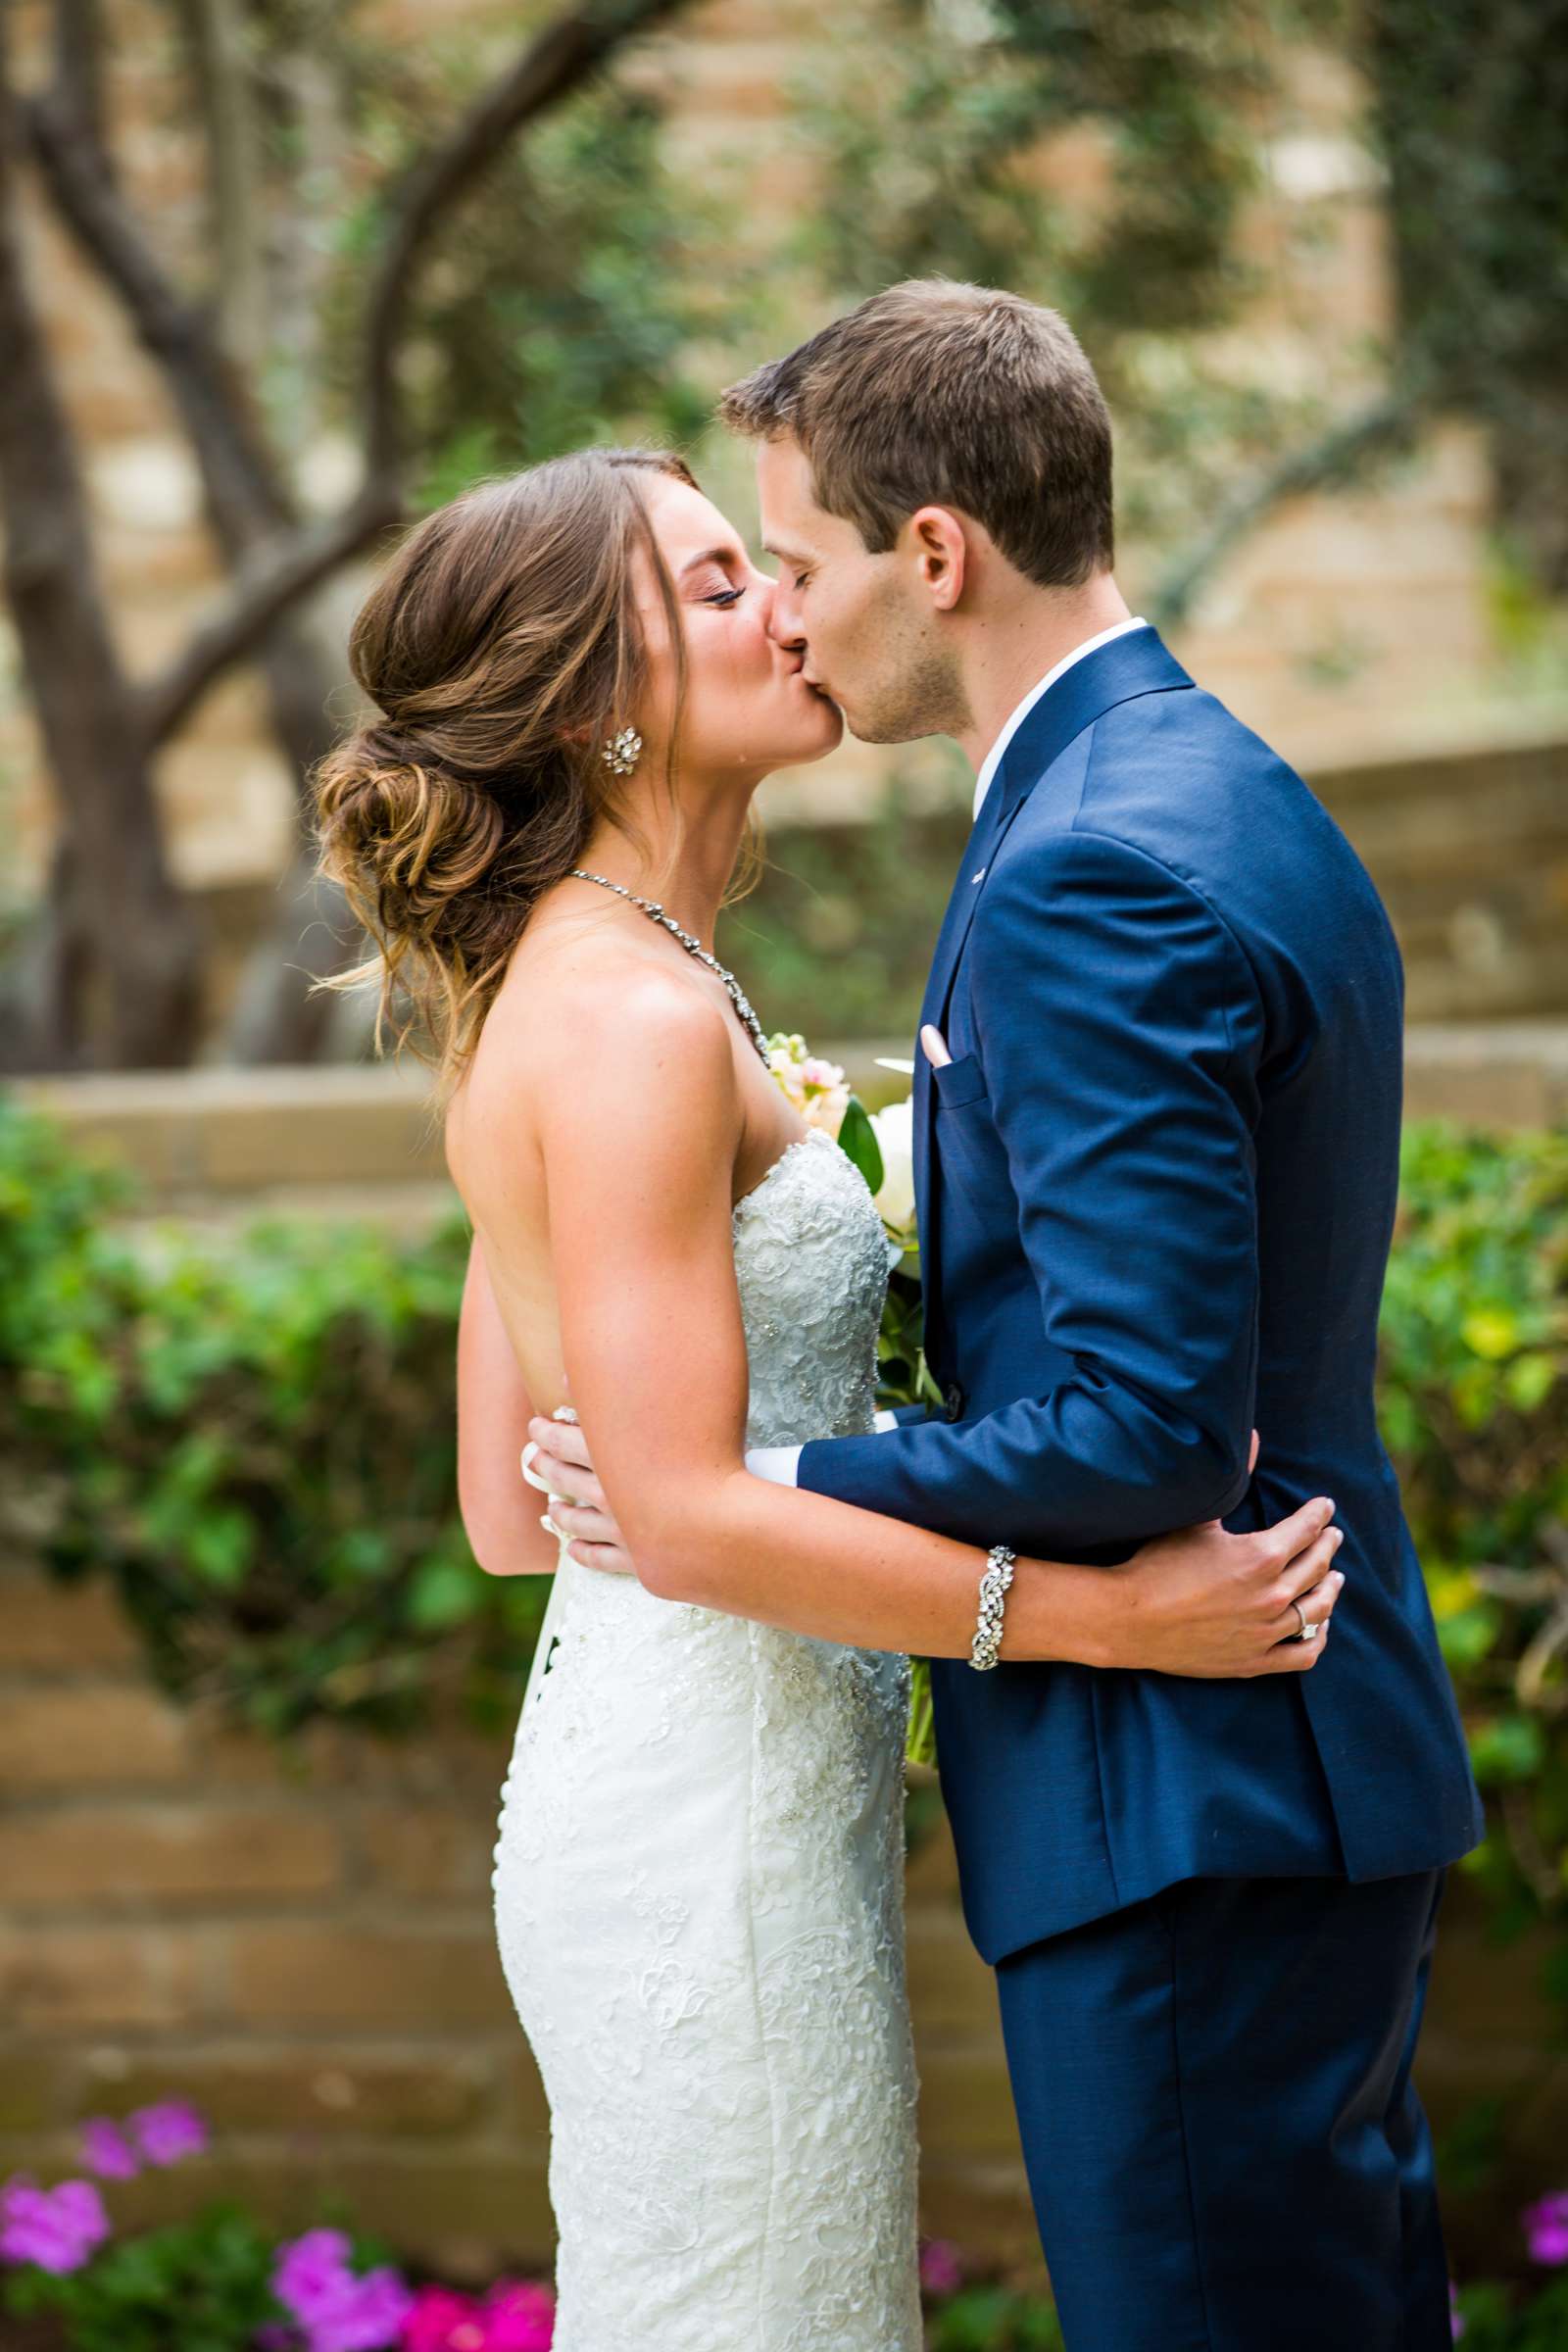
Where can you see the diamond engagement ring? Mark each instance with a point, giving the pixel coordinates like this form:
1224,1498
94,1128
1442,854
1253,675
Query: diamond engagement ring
1308,1631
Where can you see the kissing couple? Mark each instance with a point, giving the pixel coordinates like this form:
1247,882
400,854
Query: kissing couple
1201,1755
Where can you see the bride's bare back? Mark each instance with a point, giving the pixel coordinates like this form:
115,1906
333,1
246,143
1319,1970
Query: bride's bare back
565,958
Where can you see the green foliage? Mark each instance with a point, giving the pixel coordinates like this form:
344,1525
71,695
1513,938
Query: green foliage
1500,2318
857,1141
993,2318
943,125
257,1442
902,1374
1469,104
839,927
1474,1405
571,287
209,2276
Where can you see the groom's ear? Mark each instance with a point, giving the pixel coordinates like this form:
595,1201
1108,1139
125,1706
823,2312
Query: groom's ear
936,540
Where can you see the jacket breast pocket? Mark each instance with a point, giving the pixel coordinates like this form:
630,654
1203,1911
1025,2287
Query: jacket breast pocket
968,1150
959,1082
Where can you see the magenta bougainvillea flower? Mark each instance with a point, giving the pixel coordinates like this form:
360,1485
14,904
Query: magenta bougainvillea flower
339,2310
167,2132
106,2150
941,2267
515,2316
519,2316
443,2321
54,2228
1546,2226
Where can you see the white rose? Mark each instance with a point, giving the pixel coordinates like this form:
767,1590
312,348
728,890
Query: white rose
895,1135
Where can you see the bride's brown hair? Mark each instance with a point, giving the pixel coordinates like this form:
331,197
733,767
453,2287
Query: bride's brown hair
502,648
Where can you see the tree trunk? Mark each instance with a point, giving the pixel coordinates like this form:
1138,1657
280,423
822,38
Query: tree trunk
117,980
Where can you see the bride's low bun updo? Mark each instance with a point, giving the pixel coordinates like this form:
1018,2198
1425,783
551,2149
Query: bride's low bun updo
501,649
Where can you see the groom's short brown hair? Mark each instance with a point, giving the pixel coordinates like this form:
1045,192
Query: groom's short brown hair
935,392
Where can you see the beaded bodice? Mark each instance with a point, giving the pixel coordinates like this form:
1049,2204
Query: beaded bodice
811,1266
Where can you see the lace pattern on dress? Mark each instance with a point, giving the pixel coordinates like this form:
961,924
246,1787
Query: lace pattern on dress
699,1895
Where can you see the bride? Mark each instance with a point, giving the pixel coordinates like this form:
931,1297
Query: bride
698,1867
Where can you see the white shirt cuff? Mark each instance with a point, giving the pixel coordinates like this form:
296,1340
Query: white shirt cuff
782,1463
777,1462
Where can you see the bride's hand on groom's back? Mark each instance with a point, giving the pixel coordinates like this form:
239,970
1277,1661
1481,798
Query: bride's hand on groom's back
1221,1606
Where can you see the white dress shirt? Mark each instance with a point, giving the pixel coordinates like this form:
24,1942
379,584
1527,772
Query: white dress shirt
780,1463
993,759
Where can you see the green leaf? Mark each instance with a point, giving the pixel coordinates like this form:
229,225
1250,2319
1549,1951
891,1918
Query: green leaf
1507,1749
444,1594
1492,1332
858,1138
1529,1380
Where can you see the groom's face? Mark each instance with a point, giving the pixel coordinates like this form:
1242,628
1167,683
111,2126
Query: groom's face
869,640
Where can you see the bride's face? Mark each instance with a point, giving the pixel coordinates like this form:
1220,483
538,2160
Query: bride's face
748,709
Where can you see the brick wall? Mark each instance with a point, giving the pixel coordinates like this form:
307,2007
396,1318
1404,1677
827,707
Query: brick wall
1339,624
306,1951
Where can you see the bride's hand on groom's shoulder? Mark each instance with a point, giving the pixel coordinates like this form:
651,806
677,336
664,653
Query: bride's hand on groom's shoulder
1206,1603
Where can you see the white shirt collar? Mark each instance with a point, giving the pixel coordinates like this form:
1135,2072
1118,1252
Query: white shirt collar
993,758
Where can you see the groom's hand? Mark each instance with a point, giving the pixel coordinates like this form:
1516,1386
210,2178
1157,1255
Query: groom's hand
557,1460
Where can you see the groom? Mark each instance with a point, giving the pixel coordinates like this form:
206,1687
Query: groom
1157,1117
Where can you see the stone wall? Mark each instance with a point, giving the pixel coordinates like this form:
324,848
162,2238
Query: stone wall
1468,845
358,1141
307,1952
303,1947
1335,627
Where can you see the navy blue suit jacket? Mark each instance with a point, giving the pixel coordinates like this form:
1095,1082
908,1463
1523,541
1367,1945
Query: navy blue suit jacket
1156,1187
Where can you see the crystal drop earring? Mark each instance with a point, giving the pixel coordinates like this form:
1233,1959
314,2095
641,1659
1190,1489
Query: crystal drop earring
623,751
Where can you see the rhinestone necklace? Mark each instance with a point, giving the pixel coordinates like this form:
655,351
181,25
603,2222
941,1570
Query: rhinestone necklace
694,948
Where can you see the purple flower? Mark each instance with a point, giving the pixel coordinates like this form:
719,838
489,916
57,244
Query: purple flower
941,2267
339,2311
54,2228
310,2271
106,2150
368,2315
1457,2322
1545,2225
168,2131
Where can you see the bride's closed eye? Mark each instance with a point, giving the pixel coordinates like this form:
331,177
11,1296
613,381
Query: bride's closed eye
725,597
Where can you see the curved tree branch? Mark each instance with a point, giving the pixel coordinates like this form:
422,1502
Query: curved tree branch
292,561
268,588
563,57
247,494
1385,422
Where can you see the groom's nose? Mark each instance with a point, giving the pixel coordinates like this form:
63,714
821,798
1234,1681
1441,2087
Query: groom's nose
783,622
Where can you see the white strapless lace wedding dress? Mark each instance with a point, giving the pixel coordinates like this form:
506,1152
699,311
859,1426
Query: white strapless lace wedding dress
699,1895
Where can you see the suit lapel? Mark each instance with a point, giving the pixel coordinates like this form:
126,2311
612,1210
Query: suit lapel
1118,672
1131,665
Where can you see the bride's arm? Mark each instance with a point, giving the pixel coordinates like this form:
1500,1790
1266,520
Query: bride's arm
639,1136
499,1515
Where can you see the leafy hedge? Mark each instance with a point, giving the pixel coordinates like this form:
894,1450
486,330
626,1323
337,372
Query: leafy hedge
1474,1406
255,1438
257,1442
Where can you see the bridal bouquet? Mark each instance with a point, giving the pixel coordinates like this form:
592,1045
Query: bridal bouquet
881,1144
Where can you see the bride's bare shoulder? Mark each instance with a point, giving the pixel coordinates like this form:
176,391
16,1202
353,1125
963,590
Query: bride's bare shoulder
602,1019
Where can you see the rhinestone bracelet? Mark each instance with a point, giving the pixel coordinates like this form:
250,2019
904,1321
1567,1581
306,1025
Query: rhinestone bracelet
985,1650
